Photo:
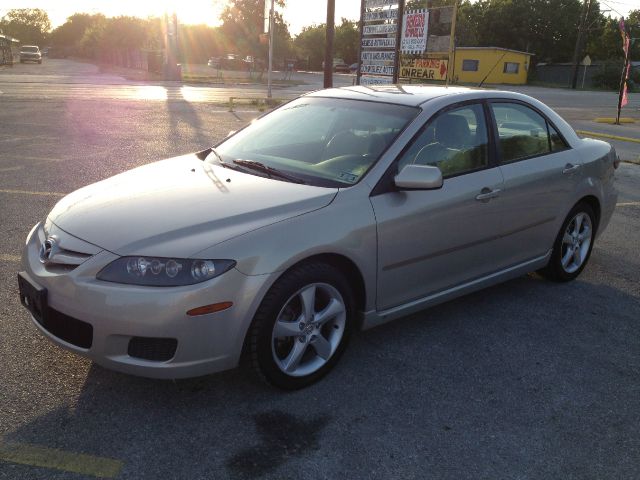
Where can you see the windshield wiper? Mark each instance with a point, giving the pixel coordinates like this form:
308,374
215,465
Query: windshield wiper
271,172
224,164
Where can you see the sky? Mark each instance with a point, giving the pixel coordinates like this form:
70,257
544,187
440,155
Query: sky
298,13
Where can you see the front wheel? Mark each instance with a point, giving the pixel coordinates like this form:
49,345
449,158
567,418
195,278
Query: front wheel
572,248
302,326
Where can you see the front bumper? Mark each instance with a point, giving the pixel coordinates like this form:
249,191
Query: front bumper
122,314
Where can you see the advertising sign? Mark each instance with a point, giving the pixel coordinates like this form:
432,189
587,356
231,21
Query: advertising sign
369,57
369,80
414,32
377,69
380,29
379,42
380,36
379,3
424,69
391,14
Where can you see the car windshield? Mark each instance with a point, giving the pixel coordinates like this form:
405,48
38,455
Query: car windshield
29,49
321,141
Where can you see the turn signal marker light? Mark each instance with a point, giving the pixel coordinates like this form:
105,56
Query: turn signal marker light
213,308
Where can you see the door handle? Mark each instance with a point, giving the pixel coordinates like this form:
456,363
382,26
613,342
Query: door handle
570,168
487,194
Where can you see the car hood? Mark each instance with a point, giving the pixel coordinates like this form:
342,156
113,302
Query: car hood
180,206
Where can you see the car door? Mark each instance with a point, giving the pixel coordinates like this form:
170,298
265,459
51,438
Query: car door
540,174
430,240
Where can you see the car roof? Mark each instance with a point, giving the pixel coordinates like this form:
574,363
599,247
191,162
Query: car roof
410,95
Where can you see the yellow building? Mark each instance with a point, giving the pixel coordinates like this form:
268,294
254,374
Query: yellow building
491,64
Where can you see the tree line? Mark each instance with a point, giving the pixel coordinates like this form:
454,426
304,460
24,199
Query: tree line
547,28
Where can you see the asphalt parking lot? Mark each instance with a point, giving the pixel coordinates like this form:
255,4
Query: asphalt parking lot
525,380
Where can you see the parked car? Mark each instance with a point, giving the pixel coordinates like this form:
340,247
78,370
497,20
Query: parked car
30,53
214,62
341,68
343,209
232,61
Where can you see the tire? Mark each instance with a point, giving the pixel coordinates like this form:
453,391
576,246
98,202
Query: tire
573,245
302,326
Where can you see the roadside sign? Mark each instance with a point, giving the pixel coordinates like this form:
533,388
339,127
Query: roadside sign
377,69
379,42
424,69
380,29
390,14
415,26
372,80
379,3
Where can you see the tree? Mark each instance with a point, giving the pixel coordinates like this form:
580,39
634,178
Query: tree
346,41
29,25
70,33
309,45
547,28
243,22
605,42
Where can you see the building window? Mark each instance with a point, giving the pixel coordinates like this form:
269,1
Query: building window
511,67
470,65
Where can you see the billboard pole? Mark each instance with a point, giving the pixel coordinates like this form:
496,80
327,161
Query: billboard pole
361,25
328,52
452,45
399,22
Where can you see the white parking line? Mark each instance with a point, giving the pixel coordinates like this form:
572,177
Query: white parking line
5,257
38,456
11,169
628,204
29,192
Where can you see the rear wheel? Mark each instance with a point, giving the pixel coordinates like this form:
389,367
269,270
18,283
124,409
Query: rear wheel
302,326
572,248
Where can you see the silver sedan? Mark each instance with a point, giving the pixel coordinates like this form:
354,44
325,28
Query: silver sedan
343,209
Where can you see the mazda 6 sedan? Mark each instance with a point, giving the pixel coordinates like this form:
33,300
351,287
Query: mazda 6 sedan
341,210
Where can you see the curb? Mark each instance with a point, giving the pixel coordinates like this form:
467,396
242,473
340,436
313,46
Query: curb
606,135
612,121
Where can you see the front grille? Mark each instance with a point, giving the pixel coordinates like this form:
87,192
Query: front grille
156,349
71,330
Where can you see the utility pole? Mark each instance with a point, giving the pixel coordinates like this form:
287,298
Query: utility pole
586,6
271,25
328,49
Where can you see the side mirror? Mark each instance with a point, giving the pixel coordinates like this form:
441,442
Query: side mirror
419,177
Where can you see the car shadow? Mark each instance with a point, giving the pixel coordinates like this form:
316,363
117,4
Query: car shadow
495,380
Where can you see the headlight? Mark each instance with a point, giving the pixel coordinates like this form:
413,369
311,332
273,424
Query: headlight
163,272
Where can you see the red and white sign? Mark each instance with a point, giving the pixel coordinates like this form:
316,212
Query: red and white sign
415,26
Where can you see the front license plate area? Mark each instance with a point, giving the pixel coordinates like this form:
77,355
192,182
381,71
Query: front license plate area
33,297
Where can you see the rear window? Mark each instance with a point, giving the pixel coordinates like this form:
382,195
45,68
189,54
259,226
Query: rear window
29,49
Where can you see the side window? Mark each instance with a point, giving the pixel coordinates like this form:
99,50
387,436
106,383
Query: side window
454,141
470,65
522,131
511,67
557,143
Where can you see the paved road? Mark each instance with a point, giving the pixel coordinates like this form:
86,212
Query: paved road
524,380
